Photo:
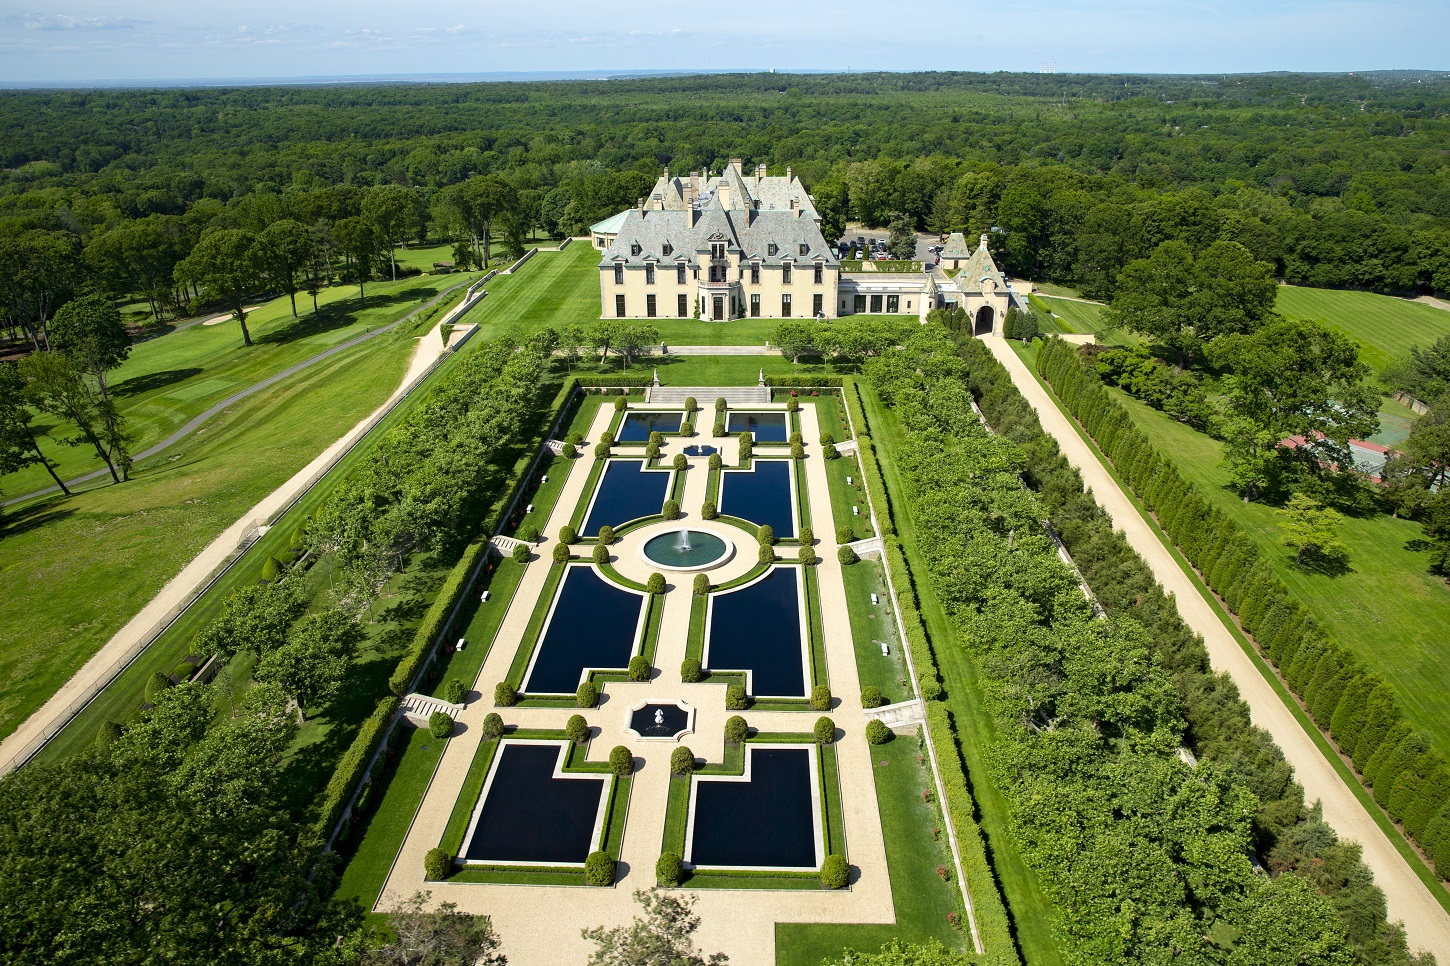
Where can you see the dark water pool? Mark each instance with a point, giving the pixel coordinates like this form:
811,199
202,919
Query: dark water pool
763,823
659,721
531,816
594,625
760,495
767,427
625,492
636,427
699,449
758,629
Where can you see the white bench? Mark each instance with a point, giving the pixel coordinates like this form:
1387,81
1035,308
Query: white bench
855,511
875,600
848,481
484,598
529,508
885,649
461,641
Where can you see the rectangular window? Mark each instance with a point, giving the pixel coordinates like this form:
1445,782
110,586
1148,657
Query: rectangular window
754,274
876,305
893,303
785,275
755,306
649,274
805,250
820,274
860,304
680,273
772,248
683,308
818,304
649,305
785,306
619,275
619,306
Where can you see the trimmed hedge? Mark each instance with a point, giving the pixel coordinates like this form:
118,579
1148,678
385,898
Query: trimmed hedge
599,869
877,733
835,873
614,382
668,869
810,382
437,865
435,621
352,765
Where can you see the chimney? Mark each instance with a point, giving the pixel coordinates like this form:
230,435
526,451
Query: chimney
760,170
984,239
724,192
787,173
795,207
738,164
640,203
694,187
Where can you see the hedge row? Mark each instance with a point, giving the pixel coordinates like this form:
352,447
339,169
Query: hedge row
629,382
785,382
351,767
435,622
1355,707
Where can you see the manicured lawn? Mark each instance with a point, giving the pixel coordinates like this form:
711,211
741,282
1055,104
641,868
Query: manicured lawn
1385,327
1069,316
1387,609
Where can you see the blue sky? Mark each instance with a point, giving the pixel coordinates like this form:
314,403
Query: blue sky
171,39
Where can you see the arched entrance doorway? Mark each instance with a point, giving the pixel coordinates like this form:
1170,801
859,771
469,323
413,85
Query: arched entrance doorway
983,324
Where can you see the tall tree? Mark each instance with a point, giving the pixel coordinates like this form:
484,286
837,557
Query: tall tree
902,244
311,665
441,936
284,251
662,936
89,331
634,340
140,256
795,339
392,210
227,265
18,445
480,201
56,385
358,242
1312,530
317,272
39,271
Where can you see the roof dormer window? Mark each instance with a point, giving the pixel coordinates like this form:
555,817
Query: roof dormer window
805,249
635,249
772,249
668,249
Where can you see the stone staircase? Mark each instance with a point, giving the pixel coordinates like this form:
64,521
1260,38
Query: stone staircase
735,396
505,545
898,716
418,708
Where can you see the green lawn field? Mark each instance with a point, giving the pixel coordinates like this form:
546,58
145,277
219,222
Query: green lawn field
1385,327
1069,316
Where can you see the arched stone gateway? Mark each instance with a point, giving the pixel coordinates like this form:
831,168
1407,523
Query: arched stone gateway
985,319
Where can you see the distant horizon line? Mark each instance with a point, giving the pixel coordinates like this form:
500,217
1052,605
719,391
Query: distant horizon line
545,76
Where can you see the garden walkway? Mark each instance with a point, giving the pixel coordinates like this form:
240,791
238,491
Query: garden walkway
1426,921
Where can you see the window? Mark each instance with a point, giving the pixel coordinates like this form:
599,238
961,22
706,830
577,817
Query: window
772,249
820,274
649,305
860,304
805,250
680,273
785,275
668,250
755,306
635,249
876,304
619,275
619,306
754,274
893,303
717,250
818,304
649,274
682,308
718,273
785,306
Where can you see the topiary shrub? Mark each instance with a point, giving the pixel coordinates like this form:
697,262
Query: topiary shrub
718,430
600,555
795,438
621,404
588,695
574,437
155,684
652,451
747,444
690,405
719,404
668,869
440,724
827,439
708,511
568,535
682,761
492,729
568,450
715,460
561,553
639,668
735,698
672,507
877,733
656,583
835,873
528,532
821,698
844,535
736,729
680,462
599,869
830,452
931,689
824,731
767,554
271,570
846,556
520,553
702,585
656,438
107,736
807,556
621,762
606,535
505,695
807,536
437,865
455,691
601,450
577,729
607,439
690,670
871,697
792,405
797,451
766,535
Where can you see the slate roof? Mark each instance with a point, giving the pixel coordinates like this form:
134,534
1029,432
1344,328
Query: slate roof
748,233
956,246
978,268
772,193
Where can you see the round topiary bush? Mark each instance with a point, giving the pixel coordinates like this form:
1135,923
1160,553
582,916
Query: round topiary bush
690,404
492,728
835,873
830,452
766,535
600,555
528,532
606,535
639,668
587,696
719,404
871,697
621,404
440,724
107,736
271,569
807,556
807,537
767,554
795,438
821,698
607,439
708,511
792,404
656,439
656,583
797,451
574,437
735,698
599,869
931,689
824,731
155,684
690,670
681,462
672,507
877,733
621,762
577,729
455,691
846,556
601,450
736,729
505,695
668,869
437,865
568,534
520,553
844,535
652,451
568,450
715,461
718,430
561,553
747,444
682,761
827,439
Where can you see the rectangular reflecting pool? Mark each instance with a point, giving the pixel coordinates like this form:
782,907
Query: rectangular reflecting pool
626,491
637,426
763,494
768,822
526,815
758,628
767,427
593,624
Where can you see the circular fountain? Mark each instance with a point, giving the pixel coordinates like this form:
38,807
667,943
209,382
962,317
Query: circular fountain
686,550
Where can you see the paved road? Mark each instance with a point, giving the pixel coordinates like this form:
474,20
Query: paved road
1426,922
